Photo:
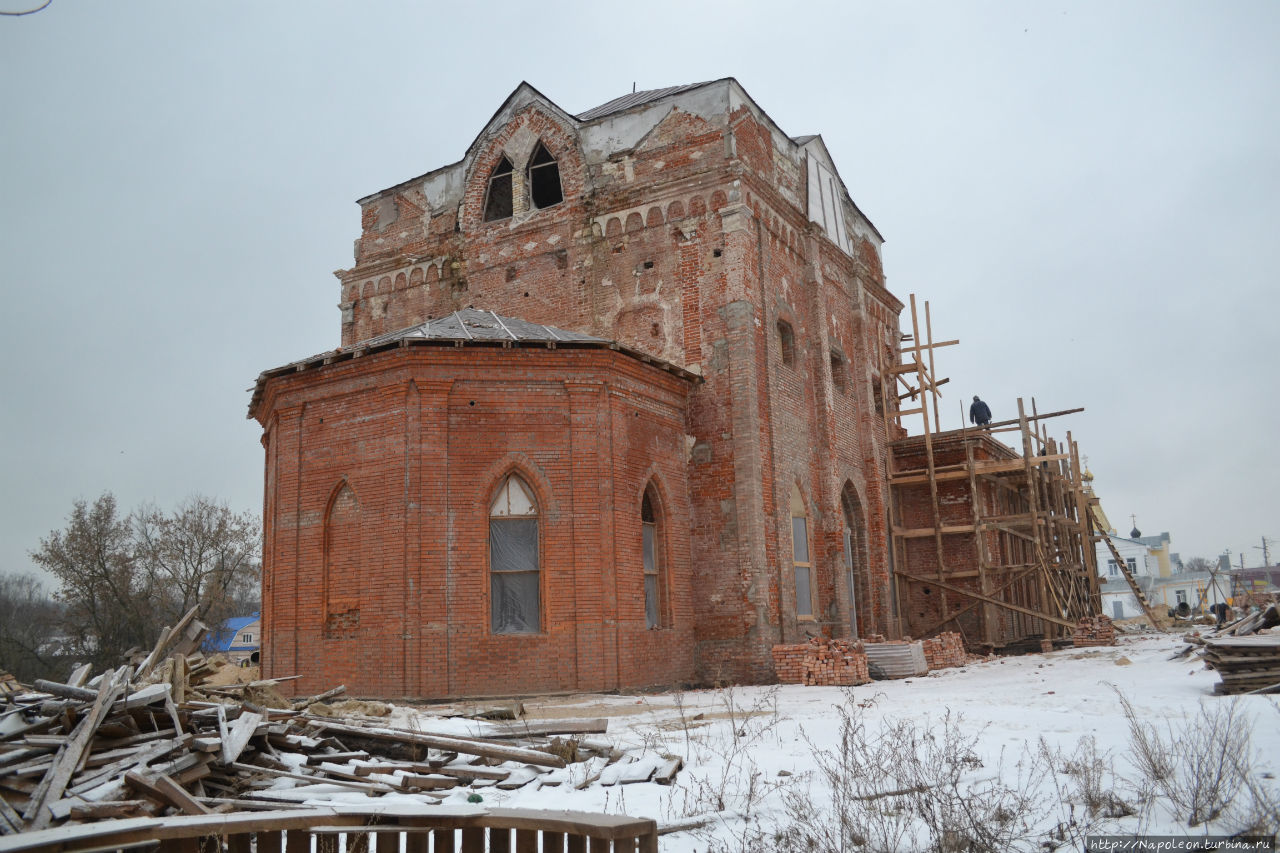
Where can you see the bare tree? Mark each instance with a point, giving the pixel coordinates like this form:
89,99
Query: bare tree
123,578
1200,564
29,621
202,554
107,609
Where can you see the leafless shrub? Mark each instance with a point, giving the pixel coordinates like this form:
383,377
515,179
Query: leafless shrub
907,787
1202,766
727,787
1082,792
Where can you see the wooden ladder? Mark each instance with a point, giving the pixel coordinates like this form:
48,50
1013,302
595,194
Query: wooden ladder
1128,575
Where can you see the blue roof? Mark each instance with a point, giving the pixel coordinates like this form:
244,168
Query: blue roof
222,639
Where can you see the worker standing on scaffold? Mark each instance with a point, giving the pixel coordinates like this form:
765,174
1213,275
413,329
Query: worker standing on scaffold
979,413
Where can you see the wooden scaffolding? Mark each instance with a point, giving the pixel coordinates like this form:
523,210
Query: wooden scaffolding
991,540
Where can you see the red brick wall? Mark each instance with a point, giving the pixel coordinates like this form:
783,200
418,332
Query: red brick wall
419,439
689,246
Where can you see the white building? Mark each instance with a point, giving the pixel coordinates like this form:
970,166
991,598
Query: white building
1118,600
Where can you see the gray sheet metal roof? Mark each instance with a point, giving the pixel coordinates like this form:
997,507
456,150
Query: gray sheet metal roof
635,99
472,324
472,327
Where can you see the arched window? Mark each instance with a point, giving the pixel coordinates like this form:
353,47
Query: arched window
513,560
498,198
801,562
854,555
544,178
787,342
651,544
342,564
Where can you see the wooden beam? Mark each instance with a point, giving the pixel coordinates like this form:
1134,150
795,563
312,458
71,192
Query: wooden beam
68,759
1048,617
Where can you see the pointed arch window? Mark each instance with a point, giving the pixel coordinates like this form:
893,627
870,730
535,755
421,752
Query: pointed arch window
854,555
342,551
498,198
801,560
544,178
654,568
514,578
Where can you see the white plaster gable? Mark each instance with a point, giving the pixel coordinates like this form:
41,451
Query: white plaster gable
623,131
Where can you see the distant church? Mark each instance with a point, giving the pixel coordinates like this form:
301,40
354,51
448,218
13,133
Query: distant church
606,414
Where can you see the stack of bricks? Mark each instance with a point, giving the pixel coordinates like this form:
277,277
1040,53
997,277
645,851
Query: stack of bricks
822,662
788,662
1094,631
944,650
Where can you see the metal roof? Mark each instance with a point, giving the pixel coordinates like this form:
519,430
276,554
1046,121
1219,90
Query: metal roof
635,99
472,324
468,327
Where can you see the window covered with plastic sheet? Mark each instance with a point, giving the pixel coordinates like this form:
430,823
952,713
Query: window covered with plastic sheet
652,562
800,559
513,560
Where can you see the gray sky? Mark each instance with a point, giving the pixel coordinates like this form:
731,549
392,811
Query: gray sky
1087,194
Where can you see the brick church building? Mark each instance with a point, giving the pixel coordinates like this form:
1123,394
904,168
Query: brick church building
605,414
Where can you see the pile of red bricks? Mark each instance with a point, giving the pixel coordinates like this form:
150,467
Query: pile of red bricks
1094,631
821,662
944,650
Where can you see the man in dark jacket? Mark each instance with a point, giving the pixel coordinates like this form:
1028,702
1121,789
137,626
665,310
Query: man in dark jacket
979,413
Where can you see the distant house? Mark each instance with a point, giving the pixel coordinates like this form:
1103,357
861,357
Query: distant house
238,638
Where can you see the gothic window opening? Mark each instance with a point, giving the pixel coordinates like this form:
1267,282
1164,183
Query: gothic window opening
498,198
787,343
854,553
514,578
651,539
801,562
544,178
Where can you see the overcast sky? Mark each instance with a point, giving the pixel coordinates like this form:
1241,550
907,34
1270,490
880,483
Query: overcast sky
1088,194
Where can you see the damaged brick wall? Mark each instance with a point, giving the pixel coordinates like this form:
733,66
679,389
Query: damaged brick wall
688,244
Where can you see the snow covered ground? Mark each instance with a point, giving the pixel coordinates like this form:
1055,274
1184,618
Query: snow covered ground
751,751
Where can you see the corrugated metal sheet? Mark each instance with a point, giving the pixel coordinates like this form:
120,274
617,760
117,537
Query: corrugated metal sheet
634,99
895,660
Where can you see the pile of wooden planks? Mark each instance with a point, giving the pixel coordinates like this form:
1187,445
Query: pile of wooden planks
157,739
1245,664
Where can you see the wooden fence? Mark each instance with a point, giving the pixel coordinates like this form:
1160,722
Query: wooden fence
341,829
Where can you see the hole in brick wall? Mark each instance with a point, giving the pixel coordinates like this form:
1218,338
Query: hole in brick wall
526,293
472,403
716,253
655,330
648,265
512,273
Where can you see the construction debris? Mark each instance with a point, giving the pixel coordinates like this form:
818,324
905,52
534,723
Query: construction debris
157,739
